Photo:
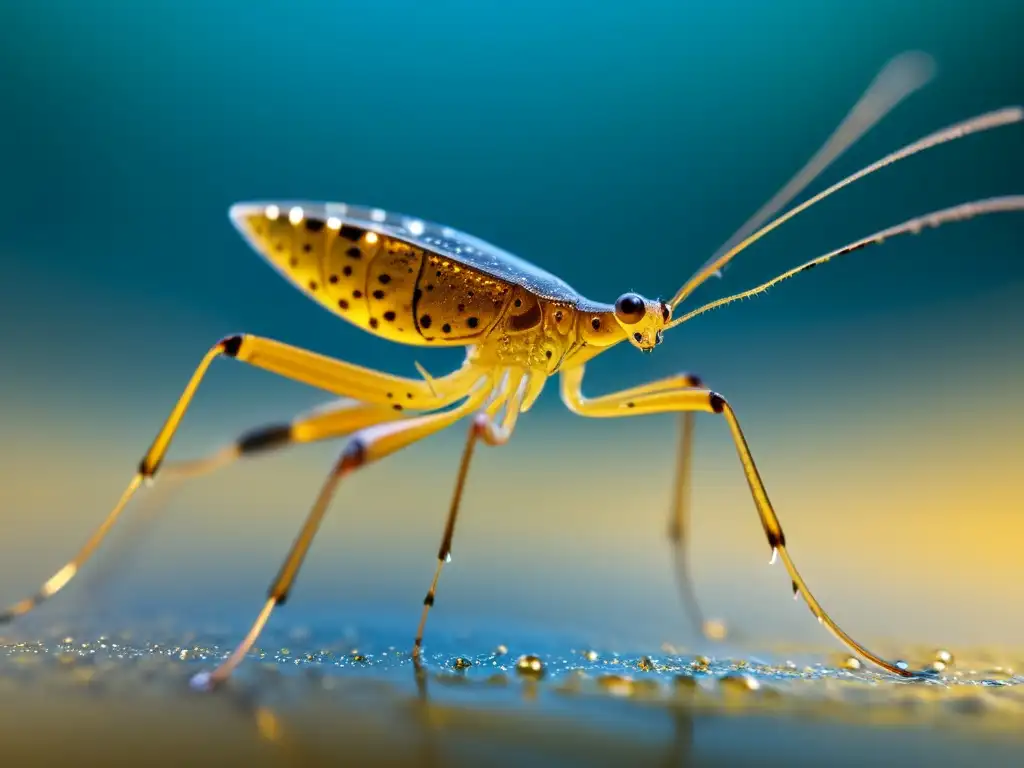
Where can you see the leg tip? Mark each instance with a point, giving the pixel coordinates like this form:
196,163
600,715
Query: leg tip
202,681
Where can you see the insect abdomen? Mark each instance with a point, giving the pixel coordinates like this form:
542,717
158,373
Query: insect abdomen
382,284
455,304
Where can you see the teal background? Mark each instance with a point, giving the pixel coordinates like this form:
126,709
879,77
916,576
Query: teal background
615,144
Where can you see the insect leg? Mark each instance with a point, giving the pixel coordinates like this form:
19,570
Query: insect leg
697,399
290,362
332,420
486,428
368,445
678,526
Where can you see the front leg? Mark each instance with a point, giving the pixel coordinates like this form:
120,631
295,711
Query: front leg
693,399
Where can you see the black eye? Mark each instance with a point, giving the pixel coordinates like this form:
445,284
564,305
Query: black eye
630,308
666,312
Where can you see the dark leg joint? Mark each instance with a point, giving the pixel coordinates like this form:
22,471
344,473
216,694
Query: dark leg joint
265,438
279,597
717,402
429,600
146,469
775,540
231,345
354,455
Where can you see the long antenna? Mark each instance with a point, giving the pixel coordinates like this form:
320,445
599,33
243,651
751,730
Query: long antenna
985,122
901,77
961,212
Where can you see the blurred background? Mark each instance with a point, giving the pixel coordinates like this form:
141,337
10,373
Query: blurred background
880,395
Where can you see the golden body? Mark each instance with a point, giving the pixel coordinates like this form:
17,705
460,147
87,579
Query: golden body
408,293
418,283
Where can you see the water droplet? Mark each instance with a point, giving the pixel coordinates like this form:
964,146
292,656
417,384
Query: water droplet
590,655
616,685
944,656
462,663
738,682
715,629
851,663
501,650
530,666
645,664
700,663
775,556
448,557
902,665
796,590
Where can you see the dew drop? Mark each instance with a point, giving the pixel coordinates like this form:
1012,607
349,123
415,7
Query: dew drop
851,663
530,666
715,629
902,665
616,685
944,656
645,664
590,655
775,556
738,682
462,663
448,557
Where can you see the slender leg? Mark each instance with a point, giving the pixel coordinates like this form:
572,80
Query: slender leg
678,526
290,362
327,422
369,445
483,428
679,529
699,399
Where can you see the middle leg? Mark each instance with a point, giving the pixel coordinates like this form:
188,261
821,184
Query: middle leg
679,514
486,428
369,445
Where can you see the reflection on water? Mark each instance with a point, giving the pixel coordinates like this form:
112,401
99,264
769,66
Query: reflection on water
310,697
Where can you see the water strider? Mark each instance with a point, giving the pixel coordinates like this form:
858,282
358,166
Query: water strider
414,282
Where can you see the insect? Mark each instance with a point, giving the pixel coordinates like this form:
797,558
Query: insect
418,283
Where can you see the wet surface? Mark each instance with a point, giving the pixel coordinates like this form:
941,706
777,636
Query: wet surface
307,698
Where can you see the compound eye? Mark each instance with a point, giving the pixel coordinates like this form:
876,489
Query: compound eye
630,308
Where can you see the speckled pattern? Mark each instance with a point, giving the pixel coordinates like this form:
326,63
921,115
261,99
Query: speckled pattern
442,240
300,701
